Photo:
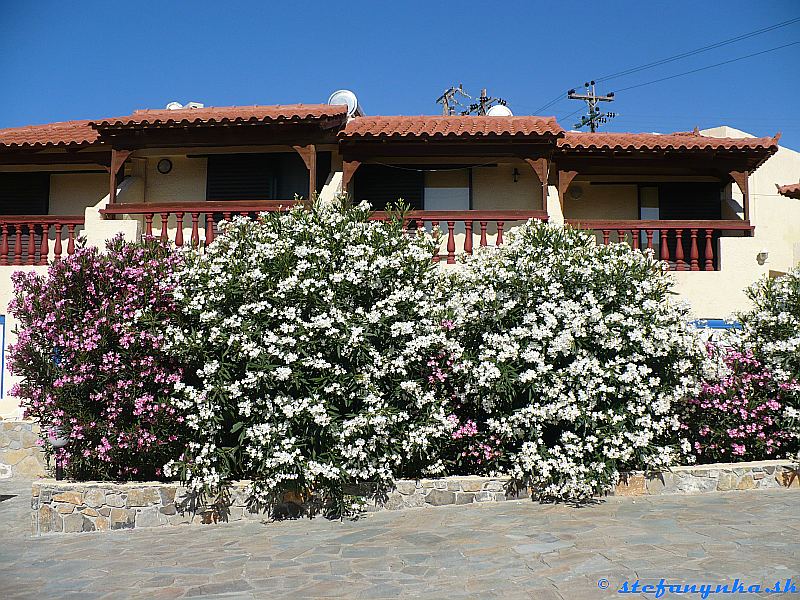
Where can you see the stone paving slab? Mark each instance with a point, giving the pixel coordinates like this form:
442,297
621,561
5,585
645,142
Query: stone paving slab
515,549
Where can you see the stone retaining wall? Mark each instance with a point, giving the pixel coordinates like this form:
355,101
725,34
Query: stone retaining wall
721,477
66,507
20,456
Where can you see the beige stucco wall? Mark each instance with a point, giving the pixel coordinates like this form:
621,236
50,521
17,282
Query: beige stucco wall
494,188
606,201
71,193
186,182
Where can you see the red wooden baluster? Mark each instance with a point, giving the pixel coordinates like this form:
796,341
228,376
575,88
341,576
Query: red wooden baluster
164,225
468,238
31,244
71,241
664,246
635,238
44,250
649,234
436,236
18,244
451,242
622,236
149,228
226,216
209,228
709,251
4,245
499,240
605,237
693,254
483,233
679,262
179,228
195,229
57,246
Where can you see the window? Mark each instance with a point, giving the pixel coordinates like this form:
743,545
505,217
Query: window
24,193
273,176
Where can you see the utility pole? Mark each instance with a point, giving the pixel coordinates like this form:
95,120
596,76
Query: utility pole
449,101
485,102
595,117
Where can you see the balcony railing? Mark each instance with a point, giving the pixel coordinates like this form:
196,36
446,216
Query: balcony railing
685,245
27,239
458,231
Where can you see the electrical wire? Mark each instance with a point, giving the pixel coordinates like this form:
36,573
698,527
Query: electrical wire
719,64
416,170
673,58
682,55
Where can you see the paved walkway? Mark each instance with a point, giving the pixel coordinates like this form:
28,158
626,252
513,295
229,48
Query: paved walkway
510,550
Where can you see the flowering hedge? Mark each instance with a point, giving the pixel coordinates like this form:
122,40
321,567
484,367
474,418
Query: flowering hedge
310,336
574,357
772,333
739,414
91,362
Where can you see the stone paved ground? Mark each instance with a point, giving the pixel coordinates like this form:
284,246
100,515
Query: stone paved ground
510,550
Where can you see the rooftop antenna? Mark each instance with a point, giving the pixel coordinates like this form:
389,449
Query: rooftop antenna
595,117
484,103
449,101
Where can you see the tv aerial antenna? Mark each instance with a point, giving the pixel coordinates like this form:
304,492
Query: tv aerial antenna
449,99
484,104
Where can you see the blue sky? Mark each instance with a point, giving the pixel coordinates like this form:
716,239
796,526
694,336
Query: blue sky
70,60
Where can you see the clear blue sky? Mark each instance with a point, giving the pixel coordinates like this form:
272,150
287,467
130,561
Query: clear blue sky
68,60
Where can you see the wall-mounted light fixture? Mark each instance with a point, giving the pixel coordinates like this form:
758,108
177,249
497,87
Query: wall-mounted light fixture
164,166
516,174
762,256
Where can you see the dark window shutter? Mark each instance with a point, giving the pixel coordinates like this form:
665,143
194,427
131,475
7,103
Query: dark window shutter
24,193
689,201
381,186
273,176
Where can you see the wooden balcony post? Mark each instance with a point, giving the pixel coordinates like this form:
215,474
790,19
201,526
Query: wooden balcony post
118,158
541,168
564,180
349,168
309,155
741,180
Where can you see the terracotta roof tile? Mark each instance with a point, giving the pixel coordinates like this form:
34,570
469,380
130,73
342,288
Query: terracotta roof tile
690,140
792,190
67,133
449,127
224,115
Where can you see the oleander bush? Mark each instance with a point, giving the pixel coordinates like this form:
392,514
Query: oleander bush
90,357
574,357
772,333
310,339
740,413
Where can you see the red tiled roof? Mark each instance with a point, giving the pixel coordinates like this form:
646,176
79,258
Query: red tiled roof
68,133
449,127
792,190
690,140
225,115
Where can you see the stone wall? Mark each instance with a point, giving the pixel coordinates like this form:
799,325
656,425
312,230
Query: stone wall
20,456
67,507
711,478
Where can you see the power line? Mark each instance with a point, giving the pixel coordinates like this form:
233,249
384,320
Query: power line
675,57
670,59
719,64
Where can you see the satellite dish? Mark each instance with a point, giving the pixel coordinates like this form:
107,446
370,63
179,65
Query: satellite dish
174,106
499,110
348,98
